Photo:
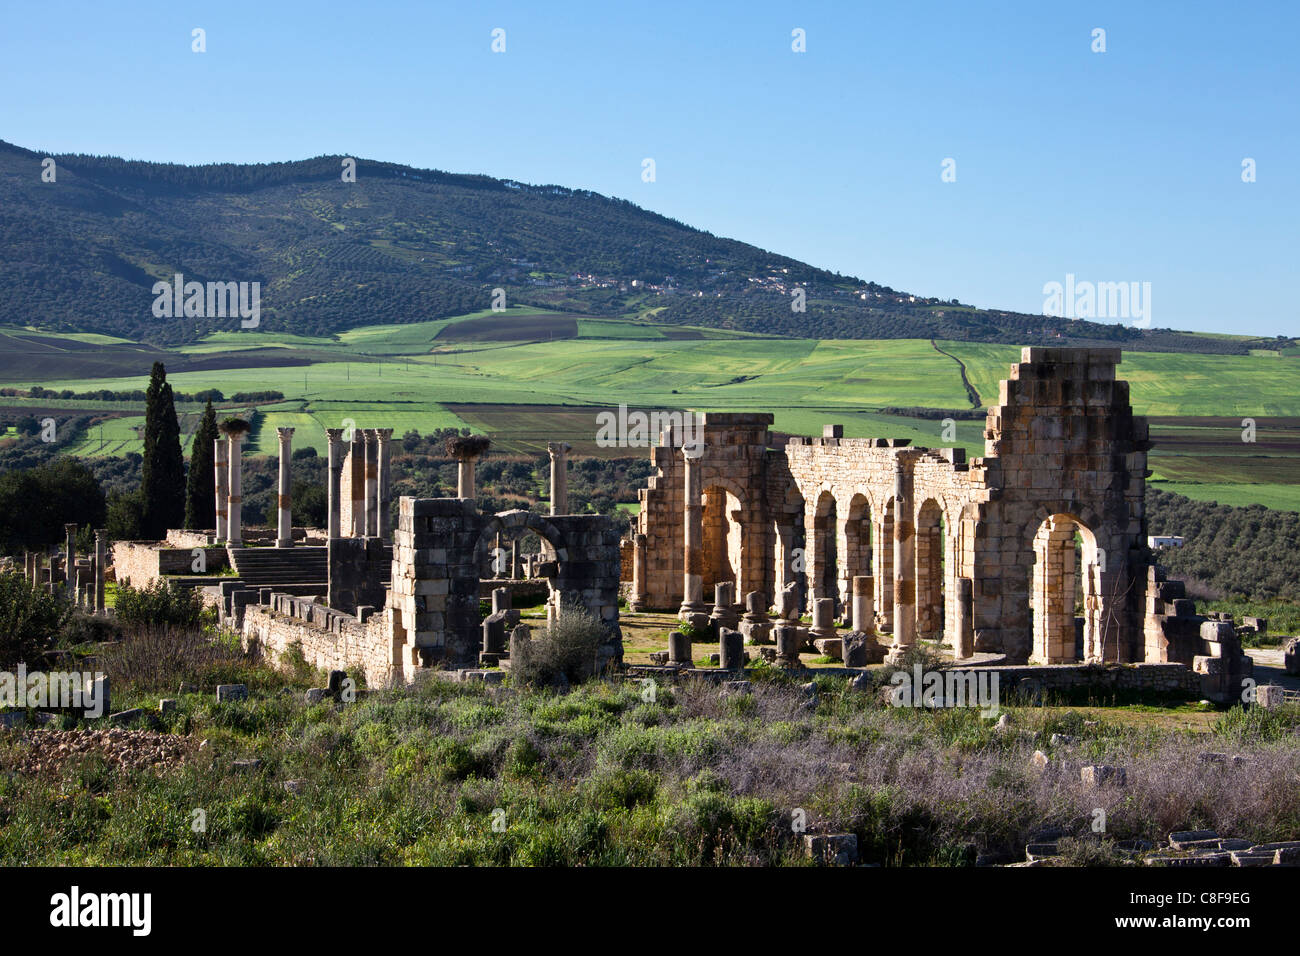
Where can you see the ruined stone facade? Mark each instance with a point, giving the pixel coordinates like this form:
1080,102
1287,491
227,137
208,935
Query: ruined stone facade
1064,456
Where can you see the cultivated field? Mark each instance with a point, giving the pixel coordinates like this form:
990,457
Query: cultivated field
527,376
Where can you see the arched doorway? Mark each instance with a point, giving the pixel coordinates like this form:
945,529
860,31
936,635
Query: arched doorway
931,563
723,541
884,550
1064,584
825,547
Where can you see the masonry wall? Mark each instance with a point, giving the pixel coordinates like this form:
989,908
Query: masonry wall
328,640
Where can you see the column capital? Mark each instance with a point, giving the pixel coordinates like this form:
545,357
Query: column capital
284,433
334,434
384,434
557,448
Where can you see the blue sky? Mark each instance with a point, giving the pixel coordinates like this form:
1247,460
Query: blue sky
1115,166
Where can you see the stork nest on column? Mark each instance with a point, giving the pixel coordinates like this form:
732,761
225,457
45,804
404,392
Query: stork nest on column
461,447
235,426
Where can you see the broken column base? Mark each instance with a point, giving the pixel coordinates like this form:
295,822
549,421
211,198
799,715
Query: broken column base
858,649
756,632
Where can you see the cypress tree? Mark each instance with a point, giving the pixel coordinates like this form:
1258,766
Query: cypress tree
200,487
163,469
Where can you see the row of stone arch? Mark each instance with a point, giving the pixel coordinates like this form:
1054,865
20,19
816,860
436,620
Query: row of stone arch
823,543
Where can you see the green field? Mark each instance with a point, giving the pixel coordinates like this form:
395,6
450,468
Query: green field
417,377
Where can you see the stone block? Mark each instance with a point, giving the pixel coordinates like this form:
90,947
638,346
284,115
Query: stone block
831,849
226,693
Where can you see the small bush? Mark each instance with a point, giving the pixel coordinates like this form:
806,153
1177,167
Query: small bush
30,620
160,603
566,652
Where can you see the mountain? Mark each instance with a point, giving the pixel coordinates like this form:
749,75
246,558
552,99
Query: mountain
400,245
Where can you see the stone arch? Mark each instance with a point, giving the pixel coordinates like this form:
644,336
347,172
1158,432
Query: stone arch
931,567
724,517
822,549
1062,570
858,537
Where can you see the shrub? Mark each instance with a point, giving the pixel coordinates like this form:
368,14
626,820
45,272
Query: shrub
160,658
160,603
30,620
565,653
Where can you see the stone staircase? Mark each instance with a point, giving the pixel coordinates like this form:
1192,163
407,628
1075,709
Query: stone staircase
267,567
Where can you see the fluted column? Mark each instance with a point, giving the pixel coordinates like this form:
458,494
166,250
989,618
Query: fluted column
335,438
559,451
284,524
640,554
220,463
384,436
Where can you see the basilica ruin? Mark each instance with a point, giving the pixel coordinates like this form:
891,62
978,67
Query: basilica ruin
1034,553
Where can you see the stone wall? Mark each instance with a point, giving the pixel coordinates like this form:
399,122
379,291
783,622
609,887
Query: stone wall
143,562
328,639
358,571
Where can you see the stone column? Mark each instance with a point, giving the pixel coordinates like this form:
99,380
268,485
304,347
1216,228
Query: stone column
559,476
514,560
70,561
54,572
235,531
823,618
384,435
334,436
693,608
357,482
284,527
864,614
101,565
640,555
220,464
371,439
465,476
904,570
963,634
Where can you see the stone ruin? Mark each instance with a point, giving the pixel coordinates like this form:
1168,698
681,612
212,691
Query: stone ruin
902,542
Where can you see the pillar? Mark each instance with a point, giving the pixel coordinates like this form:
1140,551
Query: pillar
864,613
284,527
904,569
101,561
357,477
964,636
559,451
514,560
384,436
693,608
640,554
235,529
465,477
334,437
70,562
371,437
220,463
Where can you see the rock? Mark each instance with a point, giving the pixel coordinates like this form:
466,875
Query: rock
715,659
231,692
166,705
834,849
1208,859
1062,740
733,687
315,695
1100,775
126,716
249,765
1291,657
1039,761
295,786
861,682
1180,839
336,680
829,647
659,657
1003,724
1253,858
809,689
187,689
